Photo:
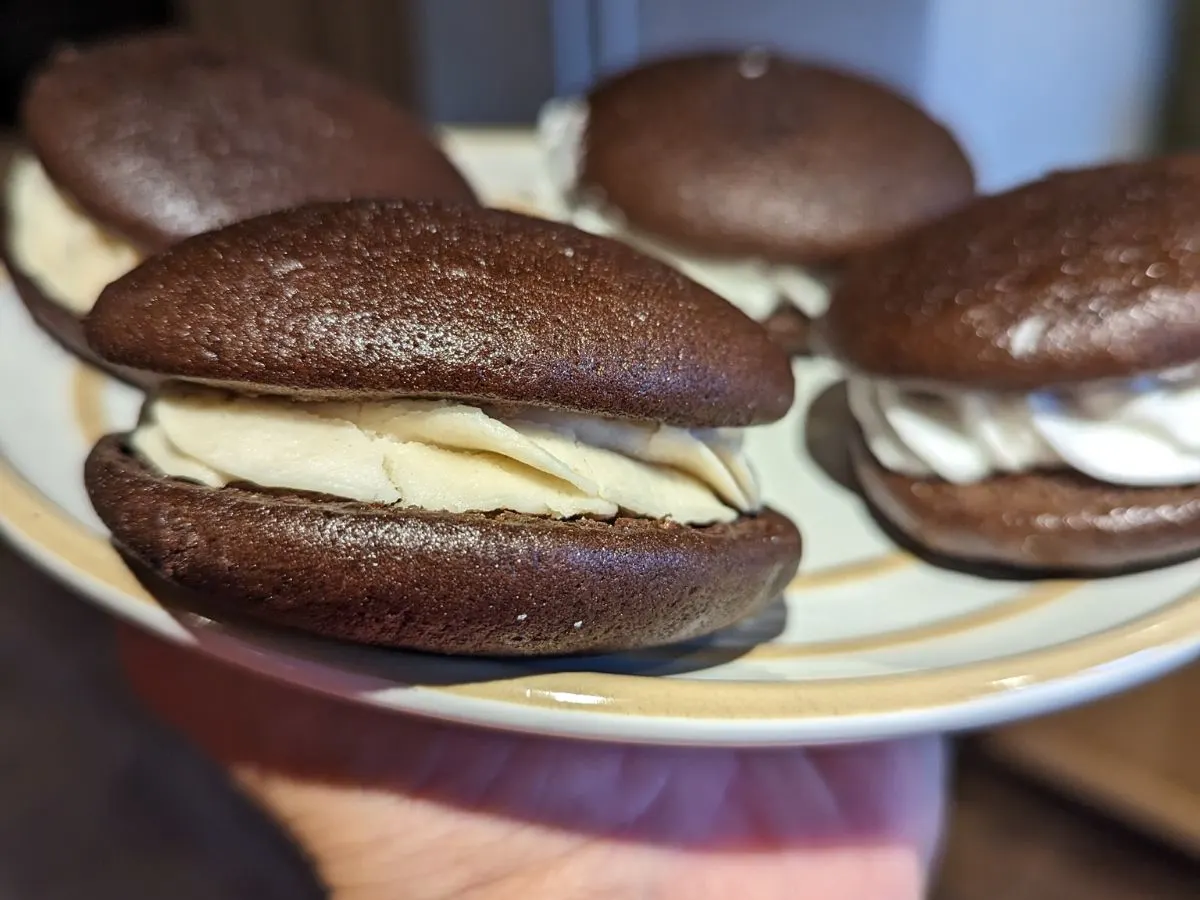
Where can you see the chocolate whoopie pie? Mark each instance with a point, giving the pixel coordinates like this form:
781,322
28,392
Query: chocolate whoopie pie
139,142
1026,372
442,428
757,173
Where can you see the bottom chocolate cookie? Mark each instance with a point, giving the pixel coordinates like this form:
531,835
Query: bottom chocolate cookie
1060,521
473,584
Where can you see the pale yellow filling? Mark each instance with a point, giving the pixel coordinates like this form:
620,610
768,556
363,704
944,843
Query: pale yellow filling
452,457
53,242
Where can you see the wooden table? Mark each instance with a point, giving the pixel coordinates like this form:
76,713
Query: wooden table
1136,755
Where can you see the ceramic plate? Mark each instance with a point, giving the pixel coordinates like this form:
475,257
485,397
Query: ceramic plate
868,643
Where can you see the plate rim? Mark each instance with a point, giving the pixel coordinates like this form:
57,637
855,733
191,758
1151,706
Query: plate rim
676,710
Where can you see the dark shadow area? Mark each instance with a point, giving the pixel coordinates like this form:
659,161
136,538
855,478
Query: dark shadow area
100,801
31,29
828,426
203,616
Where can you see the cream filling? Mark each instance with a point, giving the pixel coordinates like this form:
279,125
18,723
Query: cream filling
1141,433
69,257
754,286
440,455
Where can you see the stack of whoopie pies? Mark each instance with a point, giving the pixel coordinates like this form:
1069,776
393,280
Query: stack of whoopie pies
444,428
756,174
1026,372
137,143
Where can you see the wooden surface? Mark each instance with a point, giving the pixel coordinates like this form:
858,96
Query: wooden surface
1136,755
1013,840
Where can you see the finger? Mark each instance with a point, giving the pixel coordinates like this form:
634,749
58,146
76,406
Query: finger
497,807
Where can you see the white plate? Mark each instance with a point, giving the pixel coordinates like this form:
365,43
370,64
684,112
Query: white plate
870,643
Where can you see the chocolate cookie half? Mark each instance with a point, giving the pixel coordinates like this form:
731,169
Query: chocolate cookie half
137,143
442,428
1026,372
756,173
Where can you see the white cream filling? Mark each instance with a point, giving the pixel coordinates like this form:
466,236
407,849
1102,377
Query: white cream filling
754,286
440,455
68,256
1141,433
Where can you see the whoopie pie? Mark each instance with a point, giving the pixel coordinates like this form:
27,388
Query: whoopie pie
139,142
442,428
755,173
1025,372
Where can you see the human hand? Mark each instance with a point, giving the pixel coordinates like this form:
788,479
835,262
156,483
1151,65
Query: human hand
389,805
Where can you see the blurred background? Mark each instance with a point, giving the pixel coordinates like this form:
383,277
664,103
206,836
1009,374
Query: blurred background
1028,85
1102,803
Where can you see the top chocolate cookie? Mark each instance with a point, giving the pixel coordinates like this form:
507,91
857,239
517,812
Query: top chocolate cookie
1085,275
163,136
412,299
758,155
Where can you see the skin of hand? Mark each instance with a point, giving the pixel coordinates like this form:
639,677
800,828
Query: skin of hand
394,806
